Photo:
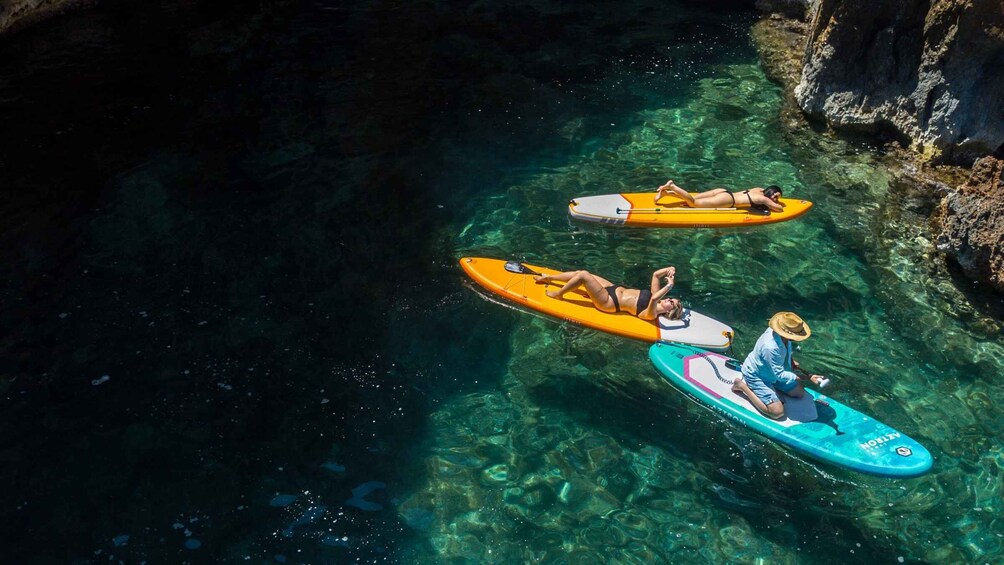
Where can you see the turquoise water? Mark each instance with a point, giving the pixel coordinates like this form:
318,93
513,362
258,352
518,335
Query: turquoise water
611,484
235,328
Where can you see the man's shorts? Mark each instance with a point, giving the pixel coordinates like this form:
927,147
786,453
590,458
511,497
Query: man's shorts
767,394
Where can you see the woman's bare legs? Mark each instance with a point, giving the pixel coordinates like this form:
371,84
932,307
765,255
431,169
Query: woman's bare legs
594,285
670,187
718,197
567,276
712,192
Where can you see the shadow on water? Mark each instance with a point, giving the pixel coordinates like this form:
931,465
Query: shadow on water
984,299
230,288
209,320
231,298
749,475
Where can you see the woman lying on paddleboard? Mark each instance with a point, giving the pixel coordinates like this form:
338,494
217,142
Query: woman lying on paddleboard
611,298
722,198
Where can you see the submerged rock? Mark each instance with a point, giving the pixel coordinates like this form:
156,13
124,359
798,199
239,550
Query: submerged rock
972,223
916,189
926,72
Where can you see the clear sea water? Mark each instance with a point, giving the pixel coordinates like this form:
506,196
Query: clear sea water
234,328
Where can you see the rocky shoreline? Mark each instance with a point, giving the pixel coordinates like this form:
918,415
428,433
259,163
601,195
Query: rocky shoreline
970,222
811,47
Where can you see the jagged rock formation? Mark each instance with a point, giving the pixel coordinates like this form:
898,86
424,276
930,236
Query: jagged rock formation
928,71
972,223
18,13
798,9
780,42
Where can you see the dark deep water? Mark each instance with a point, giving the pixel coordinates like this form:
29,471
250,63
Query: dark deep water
234,328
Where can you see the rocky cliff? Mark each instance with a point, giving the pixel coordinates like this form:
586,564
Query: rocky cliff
18,13
927,71
971,221
930,73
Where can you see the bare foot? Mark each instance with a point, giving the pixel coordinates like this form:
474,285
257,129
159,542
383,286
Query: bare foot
663,190
553,294
542,279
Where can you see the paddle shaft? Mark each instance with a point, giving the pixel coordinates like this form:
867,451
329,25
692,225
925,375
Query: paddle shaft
672,210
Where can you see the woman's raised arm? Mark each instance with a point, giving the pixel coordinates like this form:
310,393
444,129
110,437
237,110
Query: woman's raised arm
668,273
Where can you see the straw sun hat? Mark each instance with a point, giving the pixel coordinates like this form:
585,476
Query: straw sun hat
790,326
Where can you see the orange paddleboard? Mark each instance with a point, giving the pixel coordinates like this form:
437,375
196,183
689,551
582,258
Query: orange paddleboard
693,329
640,209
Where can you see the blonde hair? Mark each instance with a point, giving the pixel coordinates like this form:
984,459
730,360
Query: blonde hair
676,312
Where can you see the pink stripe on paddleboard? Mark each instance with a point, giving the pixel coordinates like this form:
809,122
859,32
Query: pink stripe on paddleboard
691,380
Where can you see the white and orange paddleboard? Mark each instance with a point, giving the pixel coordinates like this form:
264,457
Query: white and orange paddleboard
516,283
640,209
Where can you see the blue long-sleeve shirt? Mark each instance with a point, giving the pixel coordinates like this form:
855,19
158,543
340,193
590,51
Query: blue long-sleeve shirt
770,361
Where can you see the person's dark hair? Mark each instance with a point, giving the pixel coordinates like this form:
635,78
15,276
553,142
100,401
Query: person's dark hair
772,190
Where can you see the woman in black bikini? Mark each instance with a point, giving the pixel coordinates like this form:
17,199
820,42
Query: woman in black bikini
609,297
722,198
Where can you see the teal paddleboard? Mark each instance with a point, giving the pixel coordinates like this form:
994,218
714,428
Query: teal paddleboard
815,425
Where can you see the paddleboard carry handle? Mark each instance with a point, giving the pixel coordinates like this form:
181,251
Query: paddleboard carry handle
520,268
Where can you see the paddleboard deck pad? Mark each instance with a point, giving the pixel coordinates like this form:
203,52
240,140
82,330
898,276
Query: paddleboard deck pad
815,425
694,328
640,210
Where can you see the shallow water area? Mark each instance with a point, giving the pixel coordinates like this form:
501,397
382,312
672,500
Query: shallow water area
236,330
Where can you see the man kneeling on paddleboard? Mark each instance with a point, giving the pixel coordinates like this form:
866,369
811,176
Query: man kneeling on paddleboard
769,368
